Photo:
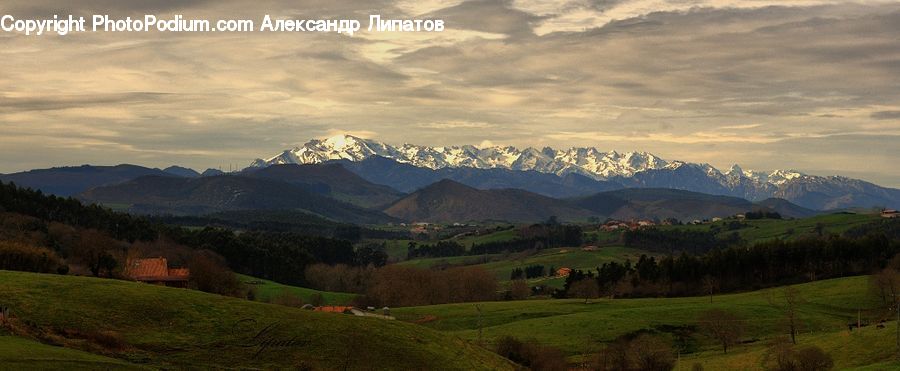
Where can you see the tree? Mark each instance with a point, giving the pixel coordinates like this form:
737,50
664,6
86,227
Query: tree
723,326
371,254
789,306
519,290
814,359
710,286
783,356
886,284
586,288
651,353
532,355
93,250
209,273
24,257
615,356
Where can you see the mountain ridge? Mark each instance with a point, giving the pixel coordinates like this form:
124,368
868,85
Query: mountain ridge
451,201
631,169
162,195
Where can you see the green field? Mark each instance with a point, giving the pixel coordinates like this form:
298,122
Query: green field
867,348
767,229
504,235
502,265
24,354
267,290
174,328
395,249
580,328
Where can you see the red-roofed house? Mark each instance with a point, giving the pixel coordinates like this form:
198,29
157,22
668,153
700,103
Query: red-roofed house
337,309
156,271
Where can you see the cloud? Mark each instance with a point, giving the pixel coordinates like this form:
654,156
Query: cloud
457,124
886,115
491,16
703,79
60,102
741,127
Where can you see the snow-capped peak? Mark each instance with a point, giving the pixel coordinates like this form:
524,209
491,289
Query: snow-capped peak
586,161
779,177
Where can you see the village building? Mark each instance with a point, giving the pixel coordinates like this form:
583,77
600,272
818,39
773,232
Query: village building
156,271
563,272
890,214
616,225
352,310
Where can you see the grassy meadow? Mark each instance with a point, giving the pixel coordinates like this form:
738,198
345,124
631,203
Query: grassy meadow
767,229
267,290
25,354
582,329
163,327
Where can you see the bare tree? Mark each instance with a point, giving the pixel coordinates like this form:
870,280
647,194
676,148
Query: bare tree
723,326
789,306
886,284
519,290
784,356
651,353
710,286
814,359
586,288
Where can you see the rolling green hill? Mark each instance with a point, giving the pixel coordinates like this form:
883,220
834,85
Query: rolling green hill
767,229
24,354
580,328
206,195
170,328
868,348
501,265
332,180
449,201
267,290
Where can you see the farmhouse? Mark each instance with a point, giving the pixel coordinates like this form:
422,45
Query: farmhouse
890,214
617,225
156,271
563,272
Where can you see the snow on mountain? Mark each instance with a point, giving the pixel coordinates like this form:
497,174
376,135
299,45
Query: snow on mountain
631,169
586,161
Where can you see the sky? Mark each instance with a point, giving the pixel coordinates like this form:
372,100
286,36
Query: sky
811,85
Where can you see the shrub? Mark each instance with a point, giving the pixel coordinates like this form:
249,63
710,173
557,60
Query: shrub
532,355
519,290
784,356
19,256
645,352
209,273
287,299
108,339
651,353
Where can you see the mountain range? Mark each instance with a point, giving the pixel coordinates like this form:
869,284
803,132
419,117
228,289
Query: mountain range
336,192
449,201
576,171
72,180
174,195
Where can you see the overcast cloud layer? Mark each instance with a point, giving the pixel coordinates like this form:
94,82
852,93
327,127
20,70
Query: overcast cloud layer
803,84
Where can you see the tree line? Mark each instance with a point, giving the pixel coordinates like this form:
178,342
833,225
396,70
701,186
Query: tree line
279,256
670,241
764,264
